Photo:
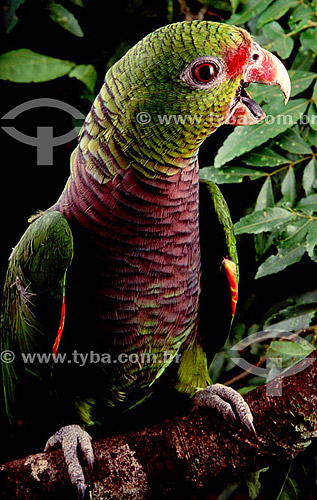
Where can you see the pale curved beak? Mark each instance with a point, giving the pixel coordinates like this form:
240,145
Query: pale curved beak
262,67
266,68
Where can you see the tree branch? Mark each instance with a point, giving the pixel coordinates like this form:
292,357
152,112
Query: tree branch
187,451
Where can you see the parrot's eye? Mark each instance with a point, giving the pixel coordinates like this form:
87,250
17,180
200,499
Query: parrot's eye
205,72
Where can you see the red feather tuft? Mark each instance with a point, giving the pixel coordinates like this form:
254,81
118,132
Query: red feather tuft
60,329
230,270
236,59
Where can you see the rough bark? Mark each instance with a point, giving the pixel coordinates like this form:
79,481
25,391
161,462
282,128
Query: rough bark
184,452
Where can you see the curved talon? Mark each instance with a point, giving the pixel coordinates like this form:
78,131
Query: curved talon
251,428
69,437
81,489
223,398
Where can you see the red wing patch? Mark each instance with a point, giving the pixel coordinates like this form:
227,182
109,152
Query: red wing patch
60,329
231,274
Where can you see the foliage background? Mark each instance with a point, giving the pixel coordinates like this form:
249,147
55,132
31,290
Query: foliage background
267,172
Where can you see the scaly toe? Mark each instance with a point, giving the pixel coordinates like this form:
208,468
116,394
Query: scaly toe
223,399
69,437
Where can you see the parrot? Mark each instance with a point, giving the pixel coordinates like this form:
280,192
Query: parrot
129,281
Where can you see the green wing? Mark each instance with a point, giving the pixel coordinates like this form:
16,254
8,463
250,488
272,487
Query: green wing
32,301
215,305
217,243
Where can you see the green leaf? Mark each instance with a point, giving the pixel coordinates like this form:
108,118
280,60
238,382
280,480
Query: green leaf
284,258
265,199
248,388
304,59
264,157
262,93
285,353
311,136
217,365
229,175
253,483
79,3
300,80
292,142
300,26
312,239
308,204
24,66
234,4
252,26
10,18
60,15
218,4
273,30
293,314
262,220
303,12
85,73
244,139
315,93
289,491
303,299
282,45
249,10
289,349
312,116
275,11
309,39
309,176
294,233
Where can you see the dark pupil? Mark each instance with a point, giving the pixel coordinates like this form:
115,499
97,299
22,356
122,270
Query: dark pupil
205,72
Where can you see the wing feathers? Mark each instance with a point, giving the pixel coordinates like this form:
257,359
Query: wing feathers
37,269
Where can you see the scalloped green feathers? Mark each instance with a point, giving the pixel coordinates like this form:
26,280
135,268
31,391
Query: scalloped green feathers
36,271
124,127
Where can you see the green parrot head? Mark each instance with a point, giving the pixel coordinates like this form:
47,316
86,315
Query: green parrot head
177,86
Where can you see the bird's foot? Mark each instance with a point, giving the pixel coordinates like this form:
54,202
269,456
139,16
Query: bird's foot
69,437
226,400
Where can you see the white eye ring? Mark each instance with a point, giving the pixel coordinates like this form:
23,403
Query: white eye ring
210,69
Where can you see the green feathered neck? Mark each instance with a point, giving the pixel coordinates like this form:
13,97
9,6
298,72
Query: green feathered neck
146,116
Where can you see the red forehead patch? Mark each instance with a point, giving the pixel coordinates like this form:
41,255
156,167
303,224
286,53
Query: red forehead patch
236,59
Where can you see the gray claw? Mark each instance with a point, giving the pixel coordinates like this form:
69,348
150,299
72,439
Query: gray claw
81,489
90,463
251,428
69,437
223,398
231,414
